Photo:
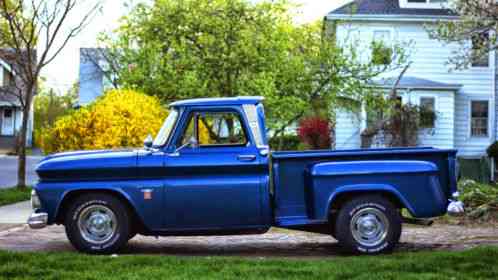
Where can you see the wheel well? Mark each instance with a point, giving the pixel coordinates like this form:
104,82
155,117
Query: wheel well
71,196
342,198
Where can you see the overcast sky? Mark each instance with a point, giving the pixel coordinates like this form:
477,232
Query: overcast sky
63,71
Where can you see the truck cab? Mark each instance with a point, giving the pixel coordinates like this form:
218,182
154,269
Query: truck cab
209,171
218,154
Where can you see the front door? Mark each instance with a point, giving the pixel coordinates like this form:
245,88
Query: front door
215,184
8,122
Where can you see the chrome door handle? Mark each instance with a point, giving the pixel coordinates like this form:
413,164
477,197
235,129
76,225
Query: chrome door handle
246,157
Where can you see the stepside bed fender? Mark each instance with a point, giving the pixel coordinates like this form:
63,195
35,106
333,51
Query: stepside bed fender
371,188
414,184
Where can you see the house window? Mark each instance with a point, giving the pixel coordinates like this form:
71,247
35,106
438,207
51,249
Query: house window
479,118
7,79
382,47
7,113
480,57
427,112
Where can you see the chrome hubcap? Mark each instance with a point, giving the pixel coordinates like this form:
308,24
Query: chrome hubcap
369,227
97,224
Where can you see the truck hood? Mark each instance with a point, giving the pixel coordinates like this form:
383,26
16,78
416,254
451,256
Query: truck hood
88,165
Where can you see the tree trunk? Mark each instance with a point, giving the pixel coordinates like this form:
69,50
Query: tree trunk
21,167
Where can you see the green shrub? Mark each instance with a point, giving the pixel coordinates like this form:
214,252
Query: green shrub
119,118
286,143
481,200
492,151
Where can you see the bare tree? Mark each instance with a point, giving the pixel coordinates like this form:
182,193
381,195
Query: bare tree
368,133
36,31
475,31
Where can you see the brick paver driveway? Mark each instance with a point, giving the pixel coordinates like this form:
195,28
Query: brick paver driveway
275,243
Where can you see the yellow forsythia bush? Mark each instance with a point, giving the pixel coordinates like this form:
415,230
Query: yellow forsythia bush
120,118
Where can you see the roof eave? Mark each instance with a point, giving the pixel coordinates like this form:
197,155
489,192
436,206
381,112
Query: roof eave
449,87
405,18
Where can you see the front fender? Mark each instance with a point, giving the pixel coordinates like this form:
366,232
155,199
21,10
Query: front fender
54,193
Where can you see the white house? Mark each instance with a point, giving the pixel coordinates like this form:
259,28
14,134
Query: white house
10,109
464,101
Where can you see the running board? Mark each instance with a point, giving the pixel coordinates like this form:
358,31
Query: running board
420,222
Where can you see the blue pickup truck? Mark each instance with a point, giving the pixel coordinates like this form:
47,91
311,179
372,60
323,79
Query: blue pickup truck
209,171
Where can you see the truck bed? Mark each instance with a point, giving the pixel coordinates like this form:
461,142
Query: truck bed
291,184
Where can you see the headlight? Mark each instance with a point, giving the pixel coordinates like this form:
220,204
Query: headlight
35,200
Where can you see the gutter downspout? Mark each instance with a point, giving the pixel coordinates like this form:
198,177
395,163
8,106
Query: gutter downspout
493,106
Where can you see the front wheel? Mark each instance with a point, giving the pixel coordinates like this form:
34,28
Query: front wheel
368,224
97,224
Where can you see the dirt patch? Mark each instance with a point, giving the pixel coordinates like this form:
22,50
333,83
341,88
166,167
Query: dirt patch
274,243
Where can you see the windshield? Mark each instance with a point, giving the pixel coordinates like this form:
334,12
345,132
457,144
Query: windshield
165,131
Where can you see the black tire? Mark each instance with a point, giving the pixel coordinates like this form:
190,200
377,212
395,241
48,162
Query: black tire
80,208
358,222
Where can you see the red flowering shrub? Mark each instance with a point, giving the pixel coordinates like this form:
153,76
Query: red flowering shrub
315,132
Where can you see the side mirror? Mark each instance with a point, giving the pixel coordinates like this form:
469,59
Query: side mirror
192,142
148,141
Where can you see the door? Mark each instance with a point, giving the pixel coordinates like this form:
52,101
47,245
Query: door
8,122
216,183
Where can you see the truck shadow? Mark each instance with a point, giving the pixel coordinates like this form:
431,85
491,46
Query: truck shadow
256,249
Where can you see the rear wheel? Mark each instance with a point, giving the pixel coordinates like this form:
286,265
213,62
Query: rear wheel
368,224
97,224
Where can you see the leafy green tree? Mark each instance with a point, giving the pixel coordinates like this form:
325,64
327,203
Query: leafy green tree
49,106
201,48
194,48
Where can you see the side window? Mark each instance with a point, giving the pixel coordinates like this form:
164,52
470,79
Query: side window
189,131
215,129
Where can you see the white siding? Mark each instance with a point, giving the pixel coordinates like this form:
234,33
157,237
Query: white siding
442,135
347,130
429,59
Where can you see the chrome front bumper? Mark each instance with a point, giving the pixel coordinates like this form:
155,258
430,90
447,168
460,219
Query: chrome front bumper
38,220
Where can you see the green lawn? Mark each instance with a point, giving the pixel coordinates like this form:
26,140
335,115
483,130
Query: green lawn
480,263
13,195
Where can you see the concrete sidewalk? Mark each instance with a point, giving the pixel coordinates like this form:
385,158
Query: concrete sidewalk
17,213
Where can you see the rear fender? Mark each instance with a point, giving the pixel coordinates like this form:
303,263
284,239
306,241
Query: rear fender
369,188
414,184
